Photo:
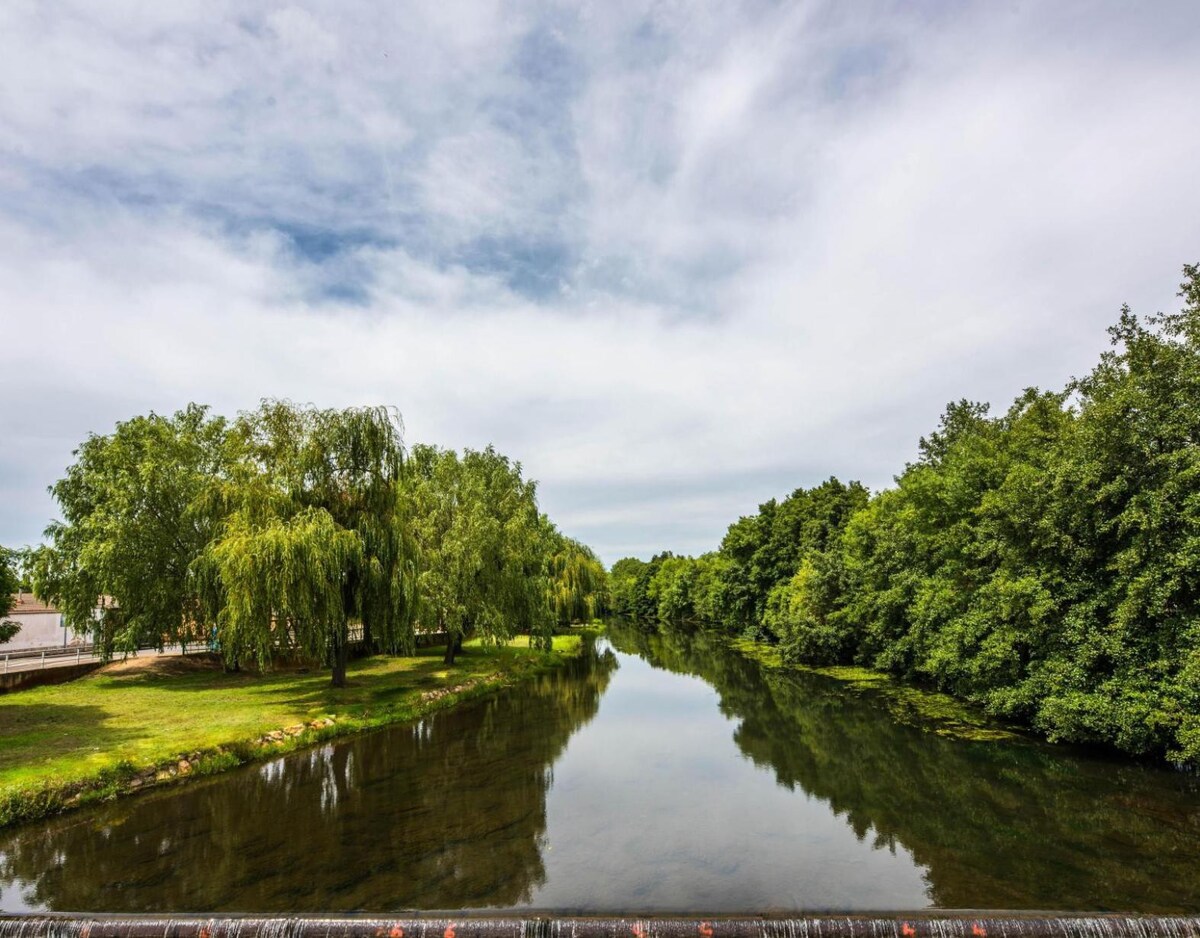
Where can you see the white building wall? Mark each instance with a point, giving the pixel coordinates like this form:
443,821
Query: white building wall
38,630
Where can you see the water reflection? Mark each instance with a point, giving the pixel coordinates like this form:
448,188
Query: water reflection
448,813
1005,825
694,781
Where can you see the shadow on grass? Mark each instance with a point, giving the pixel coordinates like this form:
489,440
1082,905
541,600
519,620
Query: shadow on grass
373,682
33,732
372,685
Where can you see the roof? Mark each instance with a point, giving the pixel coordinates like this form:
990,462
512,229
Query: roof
26,604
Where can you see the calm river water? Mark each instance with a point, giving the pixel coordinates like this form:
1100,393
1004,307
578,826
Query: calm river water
663,773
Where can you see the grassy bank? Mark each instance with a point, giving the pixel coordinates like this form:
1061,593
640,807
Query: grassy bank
152,721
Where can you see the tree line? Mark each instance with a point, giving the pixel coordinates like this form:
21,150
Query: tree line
293,530
1043,563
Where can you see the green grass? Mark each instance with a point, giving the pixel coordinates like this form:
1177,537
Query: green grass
120,728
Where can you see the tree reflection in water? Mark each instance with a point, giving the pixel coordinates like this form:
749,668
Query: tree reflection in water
448,813
654,810
1012,823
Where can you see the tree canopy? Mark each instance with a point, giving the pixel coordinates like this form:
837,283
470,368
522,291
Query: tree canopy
131,530
1043,563
310,535
491,563
10,582
295,531
578,581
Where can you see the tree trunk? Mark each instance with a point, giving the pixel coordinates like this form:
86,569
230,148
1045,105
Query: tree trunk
452,645
340,654
106,638
341,637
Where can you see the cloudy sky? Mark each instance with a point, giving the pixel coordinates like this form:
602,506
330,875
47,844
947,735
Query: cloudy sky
676,258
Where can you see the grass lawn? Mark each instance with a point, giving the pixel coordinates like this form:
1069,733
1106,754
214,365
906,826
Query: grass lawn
149,711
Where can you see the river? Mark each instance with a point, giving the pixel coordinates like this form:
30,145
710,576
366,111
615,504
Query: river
660,773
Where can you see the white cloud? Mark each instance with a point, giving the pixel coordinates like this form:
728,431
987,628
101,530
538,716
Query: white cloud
675,263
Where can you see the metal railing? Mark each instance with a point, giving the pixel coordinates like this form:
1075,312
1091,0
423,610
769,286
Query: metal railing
34,659
47,657
31,659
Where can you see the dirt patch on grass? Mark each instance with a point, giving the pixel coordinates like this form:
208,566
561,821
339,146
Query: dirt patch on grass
151,663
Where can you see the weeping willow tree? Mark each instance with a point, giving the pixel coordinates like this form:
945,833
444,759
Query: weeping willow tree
313,537
482,547
577,580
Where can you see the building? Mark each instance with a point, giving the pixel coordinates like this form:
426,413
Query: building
41,625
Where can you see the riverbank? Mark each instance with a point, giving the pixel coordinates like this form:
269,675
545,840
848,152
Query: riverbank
927,710
150,722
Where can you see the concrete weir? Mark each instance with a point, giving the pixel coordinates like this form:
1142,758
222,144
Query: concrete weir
851,926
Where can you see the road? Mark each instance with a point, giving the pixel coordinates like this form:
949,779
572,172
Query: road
29,661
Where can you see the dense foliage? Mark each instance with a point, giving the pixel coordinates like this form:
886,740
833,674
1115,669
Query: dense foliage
10,582
747,583
311,536
1043,563
484,546
131,529
294,531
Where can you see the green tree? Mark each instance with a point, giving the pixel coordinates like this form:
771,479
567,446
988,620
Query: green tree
622,583
129,531
577,578
1125,666
311,536
10,582
484,547
743,590
645,602
672,589
708,597
761,553
1044,563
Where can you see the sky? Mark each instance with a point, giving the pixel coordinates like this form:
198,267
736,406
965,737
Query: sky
675,258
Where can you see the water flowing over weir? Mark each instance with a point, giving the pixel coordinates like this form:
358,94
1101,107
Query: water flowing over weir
941,926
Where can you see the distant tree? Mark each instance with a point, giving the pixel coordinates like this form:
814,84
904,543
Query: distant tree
10,583
761,553
310,536
577,579
483,547
708,596
673,589
744,589
129,530
645,598
622,582
670,588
